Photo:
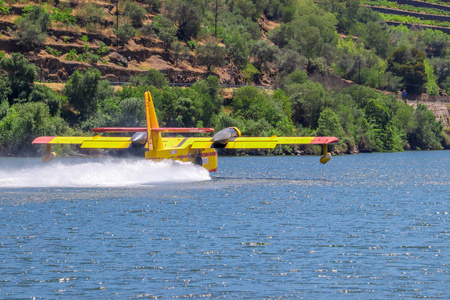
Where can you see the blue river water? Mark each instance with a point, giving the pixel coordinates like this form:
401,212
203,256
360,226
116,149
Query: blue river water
362,226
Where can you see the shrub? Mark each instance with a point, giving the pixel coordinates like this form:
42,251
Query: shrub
63,16
4,10
90,14
432,87
31,27
153,5
102,49
164,29
125,33
187,15
180,52
192,45
42,93
211,55
21,75
92,58
72,55
5,89
52,51
135,12
25,121
153,77
81,91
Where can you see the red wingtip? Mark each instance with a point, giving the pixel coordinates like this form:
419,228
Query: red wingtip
43,140
325,140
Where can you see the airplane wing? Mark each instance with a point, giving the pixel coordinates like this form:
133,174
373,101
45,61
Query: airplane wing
184,142
272,142
245,142
86,141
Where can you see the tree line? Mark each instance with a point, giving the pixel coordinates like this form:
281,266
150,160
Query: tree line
362,118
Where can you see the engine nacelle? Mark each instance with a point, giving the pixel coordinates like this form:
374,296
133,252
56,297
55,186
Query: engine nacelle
224,136
138,140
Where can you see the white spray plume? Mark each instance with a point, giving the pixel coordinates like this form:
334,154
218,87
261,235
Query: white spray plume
100,173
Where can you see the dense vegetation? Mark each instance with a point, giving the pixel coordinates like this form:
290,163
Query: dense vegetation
359,116
373,55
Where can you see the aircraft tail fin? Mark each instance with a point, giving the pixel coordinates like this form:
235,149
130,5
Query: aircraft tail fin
154,137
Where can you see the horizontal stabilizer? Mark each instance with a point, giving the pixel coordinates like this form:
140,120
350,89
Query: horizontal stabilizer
120,129
160,129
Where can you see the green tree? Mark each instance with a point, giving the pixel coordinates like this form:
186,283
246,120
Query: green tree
125,32
5,88
377,112
328,124
437,42
44,94
90,13
308,101
253,104
186,15
367,136
211,55
132,113
31,28
264,54
409,64
290,60
246,8
180,52
209,88
346,11
25,121
21,75
425,134
377,37
165,30
153,77
432,87
238,51
81,91
153,5
135,12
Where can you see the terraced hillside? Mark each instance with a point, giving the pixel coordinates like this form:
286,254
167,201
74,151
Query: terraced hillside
434,15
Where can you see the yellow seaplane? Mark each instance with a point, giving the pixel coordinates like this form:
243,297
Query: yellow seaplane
199,150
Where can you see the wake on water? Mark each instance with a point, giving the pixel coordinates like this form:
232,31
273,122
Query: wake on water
99,173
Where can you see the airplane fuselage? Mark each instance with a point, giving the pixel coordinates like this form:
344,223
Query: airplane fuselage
207,158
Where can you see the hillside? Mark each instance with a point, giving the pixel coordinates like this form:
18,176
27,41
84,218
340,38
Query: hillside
332,70
73,45
117,64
